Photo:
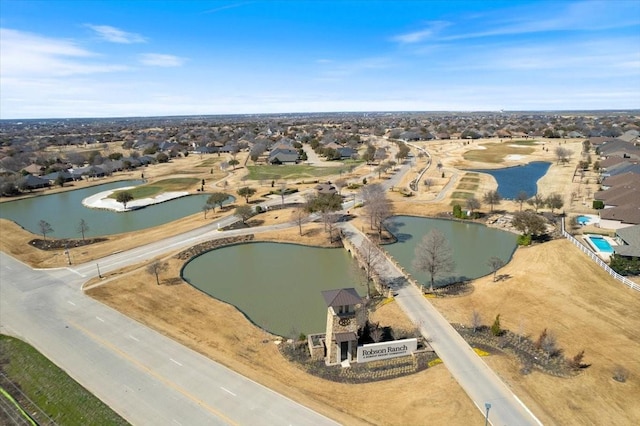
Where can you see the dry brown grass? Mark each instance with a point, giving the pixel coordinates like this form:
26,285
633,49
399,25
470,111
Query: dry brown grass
556,286
552,285
220,332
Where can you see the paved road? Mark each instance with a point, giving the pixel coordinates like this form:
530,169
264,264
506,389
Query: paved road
476,378
144,376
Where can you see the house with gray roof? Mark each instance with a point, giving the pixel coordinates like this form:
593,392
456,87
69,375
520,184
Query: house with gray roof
35,182
628,240
283,155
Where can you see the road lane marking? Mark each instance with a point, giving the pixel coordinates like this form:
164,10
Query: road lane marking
153,373
177,422
134,338
175,362
99,319
228,391
71,303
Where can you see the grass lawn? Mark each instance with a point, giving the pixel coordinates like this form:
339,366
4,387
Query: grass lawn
55,394
496,152
467,186
297,171
461,195
166,185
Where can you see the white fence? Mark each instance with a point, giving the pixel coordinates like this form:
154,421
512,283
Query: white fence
626,281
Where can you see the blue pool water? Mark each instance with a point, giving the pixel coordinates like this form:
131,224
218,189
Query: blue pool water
602,244
583,220
512,180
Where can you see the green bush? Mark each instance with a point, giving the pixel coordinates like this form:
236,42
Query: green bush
524,240
496,330
258,209
457,211
598,204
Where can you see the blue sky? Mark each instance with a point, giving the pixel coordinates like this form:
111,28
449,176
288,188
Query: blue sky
147,58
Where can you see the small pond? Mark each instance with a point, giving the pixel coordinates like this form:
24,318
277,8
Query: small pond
512,180
277,286
472,245
64,210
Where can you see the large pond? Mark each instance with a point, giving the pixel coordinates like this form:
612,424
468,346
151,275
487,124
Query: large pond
277,286
64,211
512,180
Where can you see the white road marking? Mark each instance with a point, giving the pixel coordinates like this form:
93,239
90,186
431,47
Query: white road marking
99,319
177,422
175,362
228,391
71,303
134,338
9,268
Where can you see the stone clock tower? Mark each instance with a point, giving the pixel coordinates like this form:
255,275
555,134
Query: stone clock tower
345,316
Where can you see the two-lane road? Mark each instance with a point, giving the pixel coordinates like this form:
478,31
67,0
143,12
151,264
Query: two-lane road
144,376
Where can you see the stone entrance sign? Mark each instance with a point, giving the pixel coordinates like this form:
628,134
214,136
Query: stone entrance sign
386,350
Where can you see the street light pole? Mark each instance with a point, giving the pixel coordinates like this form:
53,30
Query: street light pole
486,418
66,250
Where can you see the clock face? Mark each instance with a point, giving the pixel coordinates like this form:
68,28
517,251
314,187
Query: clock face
344,321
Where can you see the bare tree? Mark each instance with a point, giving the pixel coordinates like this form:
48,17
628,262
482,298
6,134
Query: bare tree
472,204
282,191
339,184
300,216
83,228
434,256
205,209
562,155
156,268
554,201
370,256
476,320
529,223
376,205
244,213
492,198
217,198
536,202
521,198
495,263
45,228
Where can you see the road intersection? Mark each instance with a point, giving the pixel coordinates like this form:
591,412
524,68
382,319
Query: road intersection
150,379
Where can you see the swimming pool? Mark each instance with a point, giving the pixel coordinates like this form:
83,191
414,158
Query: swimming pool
583,220
600,243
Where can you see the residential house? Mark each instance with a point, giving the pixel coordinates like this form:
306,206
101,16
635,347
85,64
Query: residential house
628,240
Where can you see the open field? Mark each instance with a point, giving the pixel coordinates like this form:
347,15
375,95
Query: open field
552,286
46,392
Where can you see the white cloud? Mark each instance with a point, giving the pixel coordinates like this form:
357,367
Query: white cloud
161,60
433,28
24,55
116,35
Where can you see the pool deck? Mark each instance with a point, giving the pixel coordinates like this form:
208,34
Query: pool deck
603,255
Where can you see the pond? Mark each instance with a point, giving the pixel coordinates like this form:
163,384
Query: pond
512,180
64,210
277,286
472,245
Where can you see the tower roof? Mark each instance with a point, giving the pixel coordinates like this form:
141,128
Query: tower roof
341,297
